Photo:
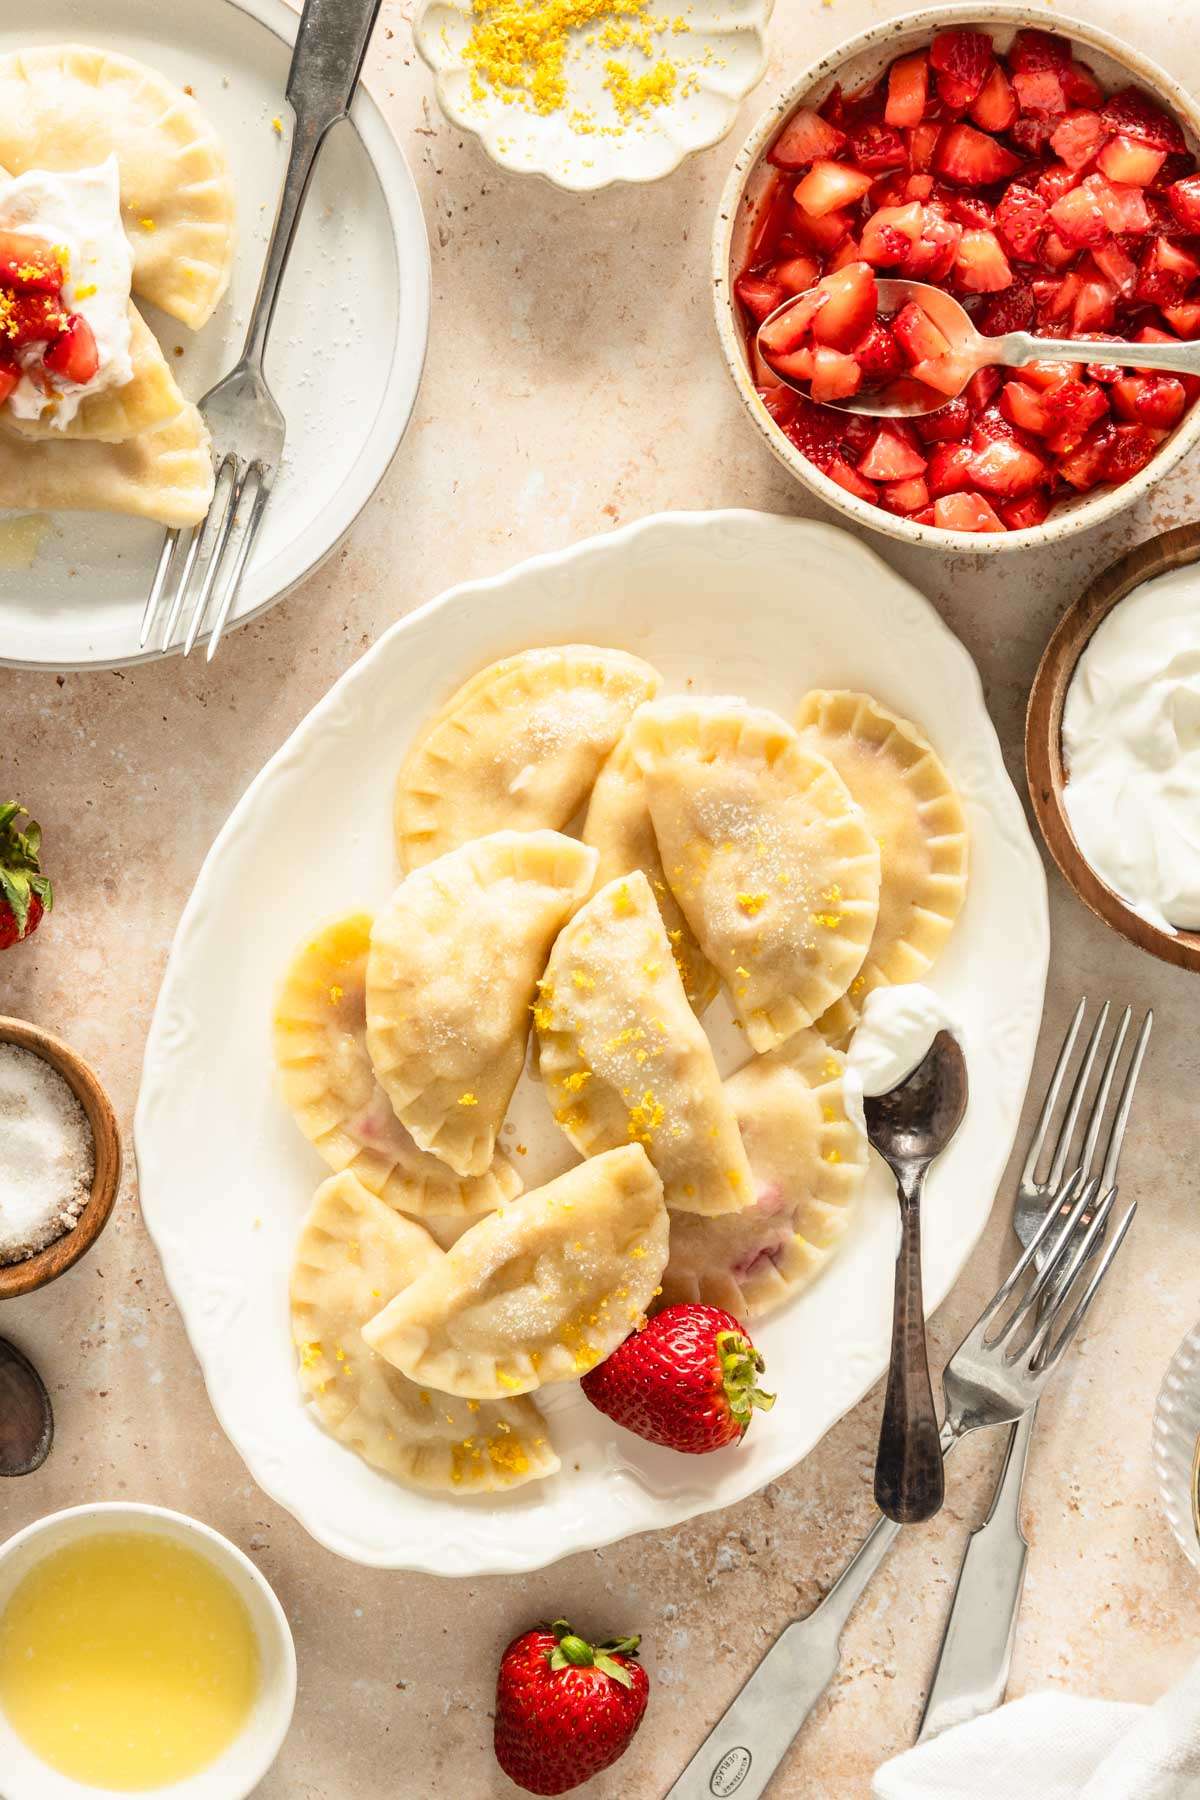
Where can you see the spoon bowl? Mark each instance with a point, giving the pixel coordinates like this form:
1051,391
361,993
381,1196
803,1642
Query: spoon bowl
909,1126
26,1416
969,351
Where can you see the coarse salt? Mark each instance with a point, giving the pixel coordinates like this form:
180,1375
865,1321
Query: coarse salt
47,1155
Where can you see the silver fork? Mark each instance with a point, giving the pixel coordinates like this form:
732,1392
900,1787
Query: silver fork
243,419
975,1656
995,1376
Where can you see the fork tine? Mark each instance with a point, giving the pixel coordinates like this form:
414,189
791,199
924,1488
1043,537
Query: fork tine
1058,1291
241,557
201,535
1049,1103
157,585
1065,1230
1062,1148
1116,1136
1089,1294
181,586
1100,1100
222,526
1004,1292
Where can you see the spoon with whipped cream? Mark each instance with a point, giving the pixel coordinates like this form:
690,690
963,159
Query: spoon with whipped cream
26,1416
907,1065
944,338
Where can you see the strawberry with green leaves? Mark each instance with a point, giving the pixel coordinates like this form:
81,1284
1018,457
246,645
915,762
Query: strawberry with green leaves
565,1709
24,891
688,1379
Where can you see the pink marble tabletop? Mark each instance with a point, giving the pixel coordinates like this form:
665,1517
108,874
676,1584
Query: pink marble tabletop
555,408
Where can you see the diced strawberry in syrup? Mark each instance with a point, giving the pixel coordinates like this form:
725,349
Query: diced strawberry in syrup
1040,65
972,158
947,424
1118,266
796,275
980,265
1054,181
907,497
847,476
29,265
74,355
1153,399
965,512
893,456
1056,252
1020,515
1122,207
825,234
996,107
848,251
848,306
1095,306
1021,219
1078,137
829,186
1184,197
835,376
1080,85
1025,406
918,187
780,402
949,468
878,354
1129,160
1078,219
962,61
759,296
908,86
982,389
1005,467
1166,273
971,211
1071,409
1130,450
31,319
1031,135
889,234
1009,310
1083,467
806,138
878,147
1183,319
795,365
1134,114
917,335
780,336
922,146
816,433
945,374
932,256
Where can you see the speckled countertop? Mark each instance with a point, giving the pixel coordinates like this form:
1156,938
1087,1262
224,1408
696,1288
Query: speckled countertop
554,411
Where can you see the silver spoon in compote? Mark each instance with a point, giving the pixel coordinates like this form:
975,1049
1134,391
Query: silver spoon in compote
956,350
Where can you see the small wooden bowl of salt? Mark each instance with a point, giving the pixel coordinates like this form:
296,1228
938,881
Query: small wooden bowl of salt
60,1157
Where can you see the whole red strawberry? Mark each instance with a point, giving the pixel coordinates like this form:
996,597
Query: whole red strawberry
24,891
687,1379
565,1709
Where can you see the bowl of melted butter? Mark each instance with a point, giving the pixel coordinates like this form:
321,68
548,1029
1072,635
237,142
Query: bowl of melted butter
140,1652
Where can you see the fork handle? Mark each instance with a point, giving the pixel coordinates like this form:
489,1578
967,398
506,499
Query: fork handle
909,1481
331,44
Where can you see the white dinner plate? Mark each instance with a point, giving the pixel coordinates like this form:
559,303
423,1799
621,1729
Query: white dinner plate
346,351
726,602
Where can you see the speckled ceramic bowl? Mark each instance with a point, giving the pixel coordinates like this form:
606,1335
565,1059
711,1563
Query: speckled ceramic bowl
861,59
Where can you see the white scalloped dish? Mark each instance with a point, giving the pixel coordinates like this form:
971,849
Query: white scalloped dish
715,51
721,602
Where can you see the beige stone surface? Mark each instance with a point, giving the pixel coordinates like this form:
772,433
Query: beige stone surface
574,383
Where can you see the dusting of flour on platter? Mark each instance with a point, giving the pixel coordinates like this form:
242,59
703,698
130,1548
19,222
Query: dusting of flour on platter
79,215
898,1026
47,1156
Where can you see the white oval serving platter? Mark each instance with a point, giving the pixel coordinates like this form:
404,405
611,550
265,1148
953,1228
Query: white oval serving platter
347,348
724,602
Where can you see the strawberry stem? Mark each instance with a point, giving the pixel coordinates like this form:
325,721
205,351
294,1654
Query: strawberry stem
573,1652
741,1364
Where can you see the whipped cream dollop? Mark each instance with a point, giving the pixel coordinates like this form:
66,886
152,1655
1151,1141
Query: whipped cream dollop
1131,744
897,1028
78,213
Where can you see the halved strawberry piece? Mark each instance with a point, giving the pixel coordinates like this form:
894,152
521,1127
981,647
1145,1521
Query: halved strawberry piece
946,425
848,477
1040,65
1184,197
878,147
1132,113
805,139
922,145
835,376
1129,450
1025,406
29,265
1078,137
1129,160
1078,219
30,319
949,467
965,512
1122,207
917,336
980,265
908,85
74,355
962,61
1011,309
905,497
1083,467
1166,273
932,256
1029,510
996,107
847,306
1006,467
889,234
971,158
1021,219
1152,399
824,234
796,275
759,295
878,354
829,186
894,455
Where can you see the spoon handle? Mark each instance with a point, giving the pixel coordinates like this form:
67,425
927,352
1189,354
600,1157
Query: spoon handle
1021,347
909,1482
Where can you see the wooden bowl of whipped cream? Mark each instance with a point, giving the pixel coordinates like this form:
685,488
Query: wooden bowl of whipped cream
1130,687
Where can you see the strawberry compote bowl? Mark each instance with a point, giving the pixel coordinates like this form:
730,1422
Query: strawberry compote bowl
1001,153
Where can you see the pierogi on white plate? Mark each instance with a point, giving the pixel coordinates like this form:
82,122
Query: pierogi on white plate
114,188
798,866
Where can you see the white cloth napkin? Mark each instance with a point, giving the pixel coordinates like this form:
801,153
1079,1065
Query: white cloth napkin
1058,1747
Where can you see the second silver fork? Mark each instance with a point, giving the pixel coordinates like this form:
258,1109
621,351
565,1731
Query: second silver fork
973,1664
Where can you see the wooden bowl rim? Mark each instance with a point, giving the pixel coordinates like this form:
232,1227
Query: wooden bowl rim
1043,738
47,1265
